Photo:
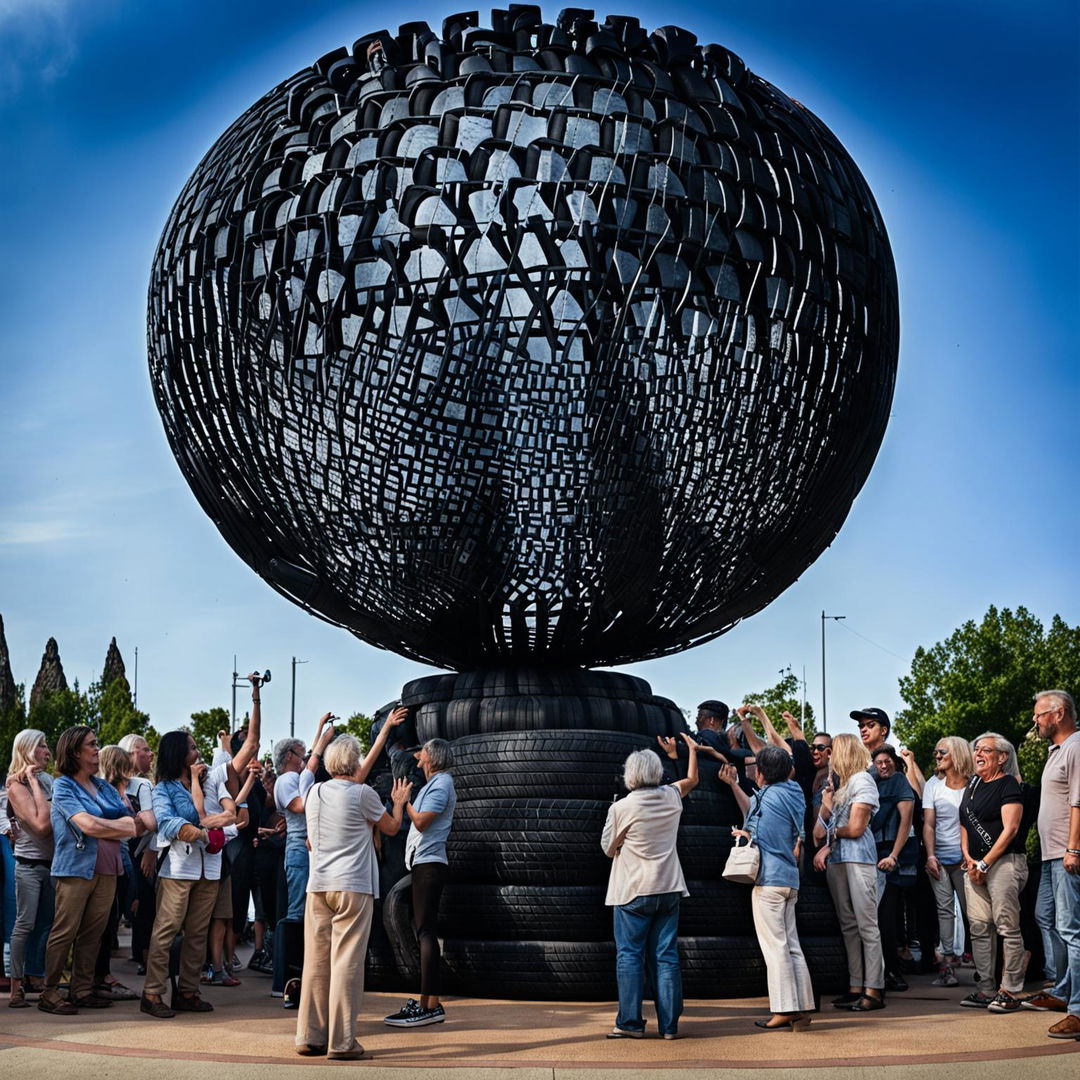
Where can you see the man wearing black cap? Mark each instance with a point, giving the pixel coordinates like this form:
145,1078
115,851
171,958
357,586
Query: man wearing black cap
711,720
874,727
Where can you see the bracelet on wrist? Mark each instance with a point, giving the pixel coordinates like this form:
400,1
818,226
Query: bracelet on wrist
1072,851
241,806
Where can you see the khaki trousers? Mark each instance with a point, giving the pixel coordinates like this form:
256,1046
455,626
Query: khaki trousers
82,911
790,990
336,929
853,887
186,904
993,909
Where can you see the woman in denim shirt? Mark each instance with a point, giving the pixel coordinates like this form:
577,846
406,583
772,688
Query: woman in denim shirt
88,820
187,879
774,818
849,859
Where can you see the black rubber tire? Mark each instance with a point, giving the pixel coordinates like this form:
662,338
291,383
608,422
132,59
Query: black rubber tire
397,924
721,967
528,842
827,961
535,970
380,967
510,682
543,764
525,912
815,914
703,850
715,908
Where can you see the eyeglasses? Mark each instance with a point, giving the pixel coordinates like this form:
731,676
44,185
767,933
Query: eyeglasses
1045,712
941,753
820,748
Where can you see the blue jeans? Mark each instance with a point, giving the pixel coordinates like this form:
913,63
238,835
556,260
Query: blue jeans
647,951
1056,966
1063,898
296,875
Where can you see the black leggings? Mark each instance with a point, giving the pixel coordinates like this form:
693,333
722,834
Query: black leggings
427,886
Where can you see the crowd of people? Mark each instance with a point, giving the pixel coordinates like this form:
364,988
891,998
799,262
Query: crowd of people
928,869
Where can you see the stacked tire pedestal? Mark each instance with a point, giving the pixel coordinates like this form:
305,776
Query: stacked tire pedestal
538,760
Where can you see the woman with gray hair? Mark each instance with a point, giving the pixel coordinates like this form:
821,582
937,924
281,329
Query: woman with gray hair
431,817
645,887
774,818
993,853
342,886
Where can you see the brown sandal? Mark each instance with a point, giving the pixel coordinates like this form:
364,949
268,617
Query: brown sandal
18,999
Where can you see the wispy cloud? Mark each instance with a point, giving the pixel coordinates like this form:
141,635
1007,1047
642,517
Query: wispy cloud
36,533
37,44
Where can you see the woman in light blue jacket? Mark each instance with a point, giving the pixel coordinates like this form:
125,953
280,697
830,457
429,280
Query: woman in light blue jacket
88,823
774,819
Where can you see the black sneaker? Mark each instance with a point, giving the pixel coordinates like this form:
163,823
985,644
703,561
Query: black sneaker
977,1000
402,1016
414,1016
292,995
1004,1003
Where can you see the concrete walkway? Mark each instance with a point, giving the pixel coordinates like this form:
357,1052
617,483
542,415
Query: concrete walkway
922,1032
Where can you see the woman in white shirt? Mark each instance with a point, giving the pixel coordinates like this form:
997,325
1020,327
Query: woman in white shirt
850,860
645,888
953,768
342,886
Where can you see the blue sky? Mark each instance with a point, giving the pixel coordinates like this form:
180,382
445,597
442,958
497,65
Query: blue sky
963,117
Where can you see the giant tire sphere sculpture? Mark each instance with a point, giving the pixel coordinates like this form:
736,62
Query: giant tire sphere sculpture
518,350
552,344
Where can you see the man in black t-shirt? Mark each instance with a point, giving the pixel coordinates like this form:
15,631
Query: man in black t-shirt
996,868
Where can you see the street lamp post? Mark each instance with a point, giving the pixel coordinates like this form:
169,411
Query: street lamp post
824,715
292,710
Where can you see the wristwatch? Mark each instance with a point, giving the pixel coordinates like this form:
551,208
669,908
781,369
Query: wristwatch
981,866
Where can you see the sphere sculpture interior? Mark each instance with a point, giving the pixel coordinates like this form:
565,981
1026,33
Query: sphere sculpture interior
560,344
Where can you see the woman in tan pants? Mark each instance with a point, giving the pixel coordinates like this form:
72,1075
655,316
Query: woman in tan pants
343,883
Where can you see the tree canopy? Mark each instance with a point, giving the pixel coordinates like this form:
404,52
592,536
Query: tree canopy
781,698
983,677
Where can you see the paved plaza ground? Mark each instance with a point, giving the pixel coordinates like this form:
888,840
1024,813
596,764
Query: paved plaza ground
923,1032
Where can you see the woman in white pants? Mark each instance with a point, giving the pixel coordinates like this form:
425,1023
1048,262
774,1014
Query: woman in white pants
850,860
941,835
774,818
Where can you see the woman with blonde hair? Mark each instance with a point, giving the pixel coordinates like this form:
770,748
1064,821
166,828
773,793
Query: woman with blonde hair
29,790
953,768
849,859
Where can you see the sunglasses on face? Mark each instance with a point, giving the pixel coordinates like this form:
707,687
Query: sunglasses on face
941,753
820,748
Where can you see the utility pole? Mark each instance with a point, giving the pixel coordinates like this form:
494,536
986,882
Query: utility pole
135,693
824,715
292,710
234,675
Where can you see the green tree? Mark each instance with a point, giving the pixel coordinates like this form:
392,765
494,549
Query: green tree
117,715
12,721
983,677
204,727
56,711
359,725
781,698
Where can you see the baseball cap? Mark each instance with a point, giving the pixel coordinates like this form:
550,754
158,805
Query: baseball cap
715,708
880,715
